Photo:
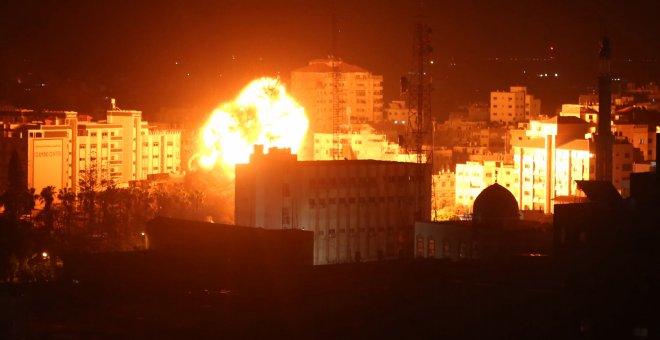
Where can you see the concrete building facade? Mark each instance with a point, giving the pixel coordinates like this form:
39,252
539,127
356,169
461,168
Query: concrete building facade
398,112
515,105
360,95
472,177
359,210
59,151
362,142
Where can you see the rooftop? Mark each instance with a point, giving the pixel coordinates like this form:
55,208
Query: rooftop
325,65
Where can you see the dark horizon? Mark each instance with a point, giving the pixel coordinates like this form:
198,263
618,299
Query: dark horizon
75,55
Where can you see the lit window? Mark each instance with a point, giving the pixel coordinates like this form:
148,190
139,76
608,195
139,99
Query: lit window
431,248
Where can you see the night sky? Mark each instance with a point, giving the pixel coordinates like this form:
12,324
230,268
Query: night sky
152,54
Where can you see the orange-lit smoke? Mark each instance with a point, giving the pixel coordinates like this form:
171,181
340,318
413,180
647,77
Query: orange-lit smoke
262,114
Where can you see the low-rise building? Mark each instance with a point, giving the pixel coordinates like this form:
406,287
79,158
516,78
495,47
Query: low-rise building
495,232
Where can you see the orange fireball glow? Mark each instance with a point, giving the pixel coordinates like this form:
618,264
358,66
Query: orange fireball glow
262,114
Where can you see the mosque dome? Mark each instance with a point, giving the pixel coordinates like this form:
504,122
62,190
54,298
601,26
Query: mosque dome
495,204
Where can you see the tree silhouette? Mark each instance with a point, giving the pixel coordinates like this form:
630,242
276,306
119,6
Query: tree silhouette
47,215
111,210
68,201
18,200
92,181
16,241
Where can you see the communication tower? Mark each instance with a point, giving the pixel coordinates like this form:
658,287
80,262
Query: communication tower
337,90
417,88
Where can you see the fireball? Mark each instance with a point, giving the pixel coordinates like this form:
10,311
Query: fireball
262,114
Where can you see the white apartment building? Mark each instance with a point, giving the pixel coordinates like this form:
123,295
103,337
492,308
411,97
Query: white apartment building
123,148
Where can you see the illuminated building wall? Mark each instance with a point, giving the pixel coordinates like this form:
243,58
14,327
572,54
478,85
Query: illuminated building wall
361,93
557,154
358,210
586,113
444,191
641,136
513,106
473,177
547,171
362,143
622,165
99,145
546,162
470,180
48,158
60,150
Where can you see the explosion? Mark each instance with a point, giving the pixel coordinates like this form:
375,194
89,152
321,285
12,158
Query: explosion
262,114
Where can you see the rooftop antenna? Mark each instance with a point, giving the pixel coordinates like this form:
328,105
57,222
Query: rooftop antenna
337,110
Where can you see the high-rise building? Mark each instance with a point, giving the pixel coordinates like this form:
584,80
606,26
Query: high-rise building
62,148
360,93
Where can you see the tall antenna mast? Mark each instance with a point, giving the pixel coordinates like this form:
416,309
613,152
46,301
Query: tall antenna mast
419,95
419,102
337,107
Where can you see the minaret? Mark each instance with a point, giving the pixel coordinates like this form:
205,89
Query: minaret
604,138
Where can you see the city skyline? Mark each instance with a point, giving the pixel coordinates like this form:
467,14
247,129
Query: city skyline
359,185
152,55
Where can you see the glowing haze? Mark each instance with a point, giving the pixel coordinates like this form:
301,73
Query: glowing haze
262,114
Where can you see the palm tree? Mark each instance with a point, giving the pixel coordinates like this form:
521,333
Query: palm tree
47,196
68,201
